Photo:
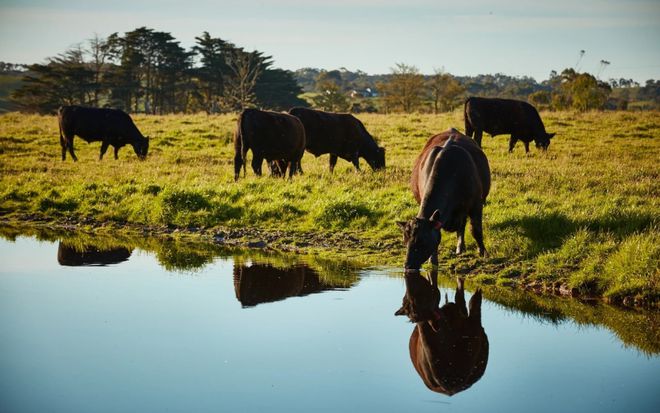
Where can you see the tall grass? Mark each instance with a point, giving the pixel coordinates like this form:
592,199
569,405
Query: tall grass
585,213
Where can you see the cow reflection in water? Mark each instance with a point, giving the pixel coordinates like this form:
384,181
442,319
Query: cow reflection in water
448,347
91,255
263,283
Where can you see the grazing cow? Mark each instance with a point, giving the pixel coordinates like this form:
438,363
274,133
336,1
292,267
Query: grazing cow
505,116
271,136
68,255
341,135
263,283
110,126
451,183
448,347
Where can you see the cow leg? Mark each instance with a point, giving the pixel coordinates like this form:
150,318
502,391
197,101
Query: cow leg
478,134
460,242
293,167
238,162
104,148
477,229
116,152
512,143
69,144
526,146
469,131
333,162
356,162
434,258
256,164
63,145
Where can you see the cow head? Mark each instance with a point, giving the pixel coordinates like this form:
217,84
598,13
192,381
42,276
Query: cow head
422,237
544,141
377,160
422,297
141,148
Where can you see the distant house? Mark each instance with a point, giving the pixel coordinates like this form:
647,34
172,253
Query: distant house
363,93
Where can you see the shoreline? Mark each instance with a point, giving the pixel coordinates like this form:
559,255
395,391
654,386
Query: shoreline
303,244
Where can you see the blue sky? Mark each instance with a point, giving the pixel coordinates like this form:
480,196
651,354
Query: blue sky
465,38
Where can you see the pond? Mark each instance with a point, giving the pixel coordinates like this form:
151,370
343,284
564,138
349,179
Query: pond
117,325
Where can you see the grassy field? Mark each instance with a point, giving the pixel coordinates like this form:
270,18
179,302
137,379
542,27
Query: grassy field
583,216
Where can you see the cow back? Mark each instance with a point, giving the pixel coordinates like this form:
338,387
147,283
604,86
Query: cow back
419,176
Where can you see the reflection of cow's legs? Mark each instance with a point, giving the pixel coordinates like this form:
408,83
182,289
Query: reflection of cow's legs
460,242
477,230
478,134
512,143
333,162
475,306
104,147
459,297
433,277
257,160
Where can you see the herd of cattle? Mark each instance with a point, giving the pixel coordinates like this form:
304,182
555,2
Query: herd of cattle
450,178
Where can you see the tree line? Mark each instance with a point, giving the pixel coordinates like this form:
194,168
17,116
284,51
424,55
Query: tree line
405,89
148,71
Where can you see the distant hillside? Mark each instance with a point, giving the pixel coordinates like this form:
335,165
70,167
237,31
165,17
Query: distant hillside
9,81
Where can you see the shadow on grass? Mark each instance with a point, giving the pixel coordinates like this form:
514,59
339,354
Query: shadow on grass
549,231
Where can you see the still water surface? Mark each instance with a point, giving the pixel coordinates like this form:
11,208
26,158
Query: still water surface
115,331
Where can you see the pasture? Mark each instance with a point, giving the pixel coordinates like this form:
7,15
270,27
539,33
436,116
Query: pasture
582,217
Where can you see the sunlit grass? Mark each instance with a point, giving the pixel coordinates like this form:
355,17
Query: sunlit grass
585,213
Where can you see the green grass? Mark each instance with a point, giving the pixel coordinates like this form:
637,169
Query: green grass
584,214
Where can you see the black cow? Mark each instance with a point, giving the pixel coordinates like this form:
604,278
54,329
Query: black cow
271,136
341,135
505,116
451,185
449,346
69,255
110,126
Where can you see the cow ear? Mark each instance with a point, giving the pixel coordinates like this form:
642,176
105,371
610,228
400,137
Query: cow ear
435,325
400,311
550,135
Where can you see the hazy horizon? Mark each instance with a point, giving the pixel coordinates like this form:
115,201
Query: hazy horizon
507,37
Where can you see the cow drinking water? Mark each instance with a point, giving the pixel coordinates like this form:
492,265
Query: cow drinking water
450,180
